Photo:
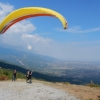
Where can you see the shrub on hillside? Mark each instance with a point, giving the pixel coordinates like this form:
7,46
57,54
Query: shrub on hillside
66,83
3,77
93,85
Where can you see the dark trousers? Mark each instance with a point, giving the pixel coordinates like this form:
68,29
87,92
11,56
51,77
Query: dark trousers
29,78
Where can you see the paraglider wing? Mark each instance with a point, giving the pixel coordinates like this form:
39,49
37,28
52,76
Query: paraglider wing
29,12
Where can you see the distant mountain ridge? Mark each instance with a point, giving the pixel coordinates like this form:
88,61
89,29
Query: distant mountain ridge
36,75
49,68
25,59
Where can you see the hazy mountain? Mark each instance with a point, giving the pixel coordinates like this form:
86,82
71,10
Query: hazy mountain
72,79
75,72
25,59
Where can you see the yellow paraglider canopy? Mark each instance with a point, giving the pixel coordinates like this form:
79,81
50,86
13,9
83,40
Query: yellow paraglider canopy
28,12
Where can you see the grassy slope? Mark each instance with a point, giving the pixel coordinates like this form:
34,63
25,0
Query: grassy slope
8,73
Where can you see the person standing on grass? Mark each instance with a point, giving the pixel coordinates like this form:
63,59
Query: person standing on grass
14,75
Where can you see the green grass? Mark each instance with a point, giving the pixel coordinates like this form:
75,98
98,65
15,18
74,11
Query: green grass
93,85
66,83
6,74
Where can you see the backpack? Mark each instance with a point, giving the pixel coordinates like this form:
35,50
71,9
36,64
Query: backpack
30,73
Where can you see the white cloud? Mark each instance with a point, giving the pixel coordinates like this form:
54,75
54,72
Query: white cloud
29,47
77,29
37,42
35,38
5,9
13,36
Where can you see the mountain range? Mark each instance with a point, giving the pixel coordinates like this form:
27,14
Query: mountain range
25,59
49,68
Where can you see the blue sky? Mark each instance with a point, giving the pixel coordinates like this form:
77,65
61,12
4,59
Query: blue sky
46,36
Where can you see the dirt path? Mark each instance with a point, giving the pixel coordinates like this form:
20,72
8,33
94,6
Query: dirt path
20,90
79,91
42,90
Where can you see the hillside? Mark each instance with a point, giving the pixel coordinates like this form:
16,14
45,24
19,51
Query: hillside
56,78
42,90
79,91
36,75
